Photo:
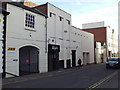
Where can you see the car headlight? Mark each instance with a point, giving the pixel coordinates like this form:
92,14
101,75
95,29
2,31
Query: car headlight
106,62
116,63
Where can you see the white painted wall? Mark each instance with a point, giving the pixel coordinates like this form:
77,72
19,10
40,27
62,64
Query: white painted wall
82,41
93,25
64,35
112,40
59,31
1,44
18,36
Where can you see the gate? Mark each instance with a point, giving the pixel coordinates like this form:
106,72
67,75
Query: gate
29,60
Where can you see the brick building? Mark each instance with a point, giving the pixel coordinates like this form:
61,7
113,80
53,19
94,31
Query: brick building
105,45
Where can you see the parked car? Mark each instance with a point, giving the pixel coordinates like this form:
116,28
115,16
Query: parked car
113,62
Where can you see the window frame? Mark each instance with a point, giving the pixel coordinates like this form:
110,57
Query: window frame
60,18
26,27
68,21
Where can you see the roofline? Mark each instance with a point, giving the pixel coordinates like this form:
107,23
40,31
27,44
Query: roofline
77,28
41,12
94,22
82,30
94,27
58,8
39,5
18,4
3,11
53,6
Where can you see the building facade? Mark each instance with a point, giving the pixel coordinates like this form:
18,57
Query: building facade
83,44
105,36
25,41
60,32
42,39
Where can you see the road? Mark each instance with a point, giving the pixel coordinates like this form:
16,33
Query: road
92,76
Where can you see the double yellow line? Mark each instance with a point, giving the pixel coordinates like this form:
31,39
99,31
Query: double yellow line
101,81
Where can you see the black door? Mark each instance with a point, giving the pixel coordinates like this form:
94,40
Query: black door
28,57
68,63
53,57
53,61
73,58
61,64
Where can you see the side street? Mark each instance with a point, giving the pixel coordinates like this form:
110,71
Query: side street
79,77
41,48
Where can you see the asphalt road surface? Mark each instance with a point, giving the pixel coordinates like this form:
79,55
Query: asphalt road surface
92,76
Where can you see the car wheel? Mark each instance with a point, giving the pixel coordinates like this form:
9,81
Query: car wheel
107,67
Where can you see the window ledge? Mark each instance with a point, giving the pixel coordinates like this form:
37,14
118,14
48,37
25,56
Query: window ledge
30,29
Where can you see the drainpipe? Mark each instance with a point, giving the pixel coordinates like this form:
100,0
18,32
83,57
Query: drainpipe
46,35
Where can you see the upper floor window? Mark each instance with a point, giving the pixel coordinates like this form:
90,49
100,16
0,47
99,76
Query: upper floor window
30,21
60,18
50,14
68,22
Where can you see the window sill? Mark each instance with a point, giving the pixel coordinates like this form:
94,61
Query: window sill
30,29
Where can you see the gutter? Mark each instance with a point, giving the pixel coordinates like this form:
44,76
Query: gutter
46,35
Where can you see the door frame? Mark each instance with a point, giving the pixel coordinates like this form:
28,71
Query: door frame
33,46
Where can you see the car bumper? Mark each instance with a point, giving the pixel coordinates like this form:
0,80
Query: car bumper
115,65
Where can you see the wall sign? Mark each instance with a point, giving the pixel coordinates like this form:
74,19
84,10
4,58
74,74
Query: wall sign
54,48
11,49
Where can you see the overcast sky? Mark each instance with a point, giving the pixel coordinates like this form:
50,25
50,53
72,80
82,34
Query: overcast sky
86,11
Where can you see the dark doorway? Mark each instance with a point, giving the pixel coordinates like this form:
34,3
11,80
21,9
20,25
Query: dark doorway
28,57
53,57
68,63
73,58
61,64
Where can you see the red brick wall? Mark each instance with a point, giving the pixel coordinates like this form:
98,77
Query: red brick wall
42,8
99,33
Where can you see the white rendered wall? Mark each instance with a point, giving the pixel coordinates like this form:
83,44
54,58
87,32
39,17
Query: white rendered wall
93,25
82,41
18,36
59,31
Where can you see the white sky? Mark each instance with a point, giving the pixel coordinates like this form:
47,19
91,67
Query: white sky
86,11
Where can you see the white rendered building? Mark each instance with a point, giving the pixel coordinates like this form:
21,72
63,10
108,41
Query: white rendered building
25,40
59,30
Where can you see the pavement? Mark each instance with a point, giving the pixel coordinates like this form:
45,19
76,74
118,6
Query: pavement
6,81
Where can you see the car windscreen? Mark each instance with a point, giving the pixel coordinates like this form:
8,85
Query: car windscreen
113,59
